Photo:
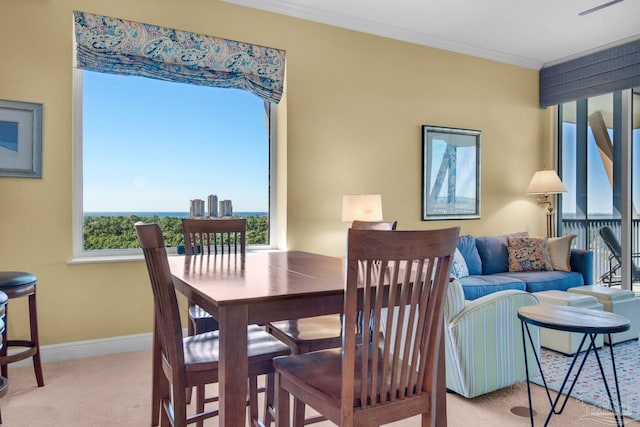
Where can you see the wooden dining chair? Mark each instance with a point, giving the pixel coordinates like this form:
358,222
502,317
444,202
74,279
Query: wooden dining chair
204,236
192,361
319,332
389,371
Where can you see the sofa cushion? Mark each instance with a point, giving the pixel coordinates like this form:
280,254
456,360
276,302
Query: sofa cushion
459,265
493,253
537,281
528,254
476,286
560,252
469,251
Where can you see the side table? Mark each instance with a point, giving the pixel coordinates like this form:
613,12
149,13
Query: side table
588,322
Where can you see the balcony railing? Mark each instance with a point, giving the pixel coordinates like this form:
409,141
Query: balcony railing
588,237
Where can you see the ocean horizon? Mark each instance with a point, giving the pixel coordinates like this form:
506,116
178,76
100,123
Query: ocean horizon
174,214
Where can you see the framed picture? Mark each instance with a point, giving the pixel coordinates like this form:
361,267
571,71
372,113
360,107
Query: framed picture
20,139
450,173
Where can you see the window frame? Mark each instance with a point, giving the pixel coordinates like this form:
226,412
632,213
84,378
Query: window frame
79,255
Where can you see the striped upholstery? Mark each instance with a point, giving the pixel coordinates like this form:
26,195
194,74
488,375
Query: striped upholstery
484,341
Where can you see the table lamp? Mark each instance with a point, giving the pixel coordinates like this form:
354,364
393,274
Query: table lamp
546,183
362,207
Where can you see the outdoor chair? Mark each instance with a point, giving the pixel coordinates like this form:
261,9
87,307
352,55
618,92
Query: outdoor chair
612,276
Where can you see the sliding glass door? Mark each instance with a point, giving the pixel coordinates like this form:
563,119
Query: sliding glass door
599,163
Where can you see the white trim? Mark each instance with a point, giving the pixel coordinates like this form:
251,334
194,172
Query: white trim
380,29
91,348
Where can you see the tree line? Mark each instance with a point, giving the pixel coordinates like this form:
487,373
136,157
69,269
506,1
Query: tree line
117,232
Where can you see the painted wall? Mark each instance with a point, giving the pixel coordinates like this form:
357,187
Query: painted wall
350,123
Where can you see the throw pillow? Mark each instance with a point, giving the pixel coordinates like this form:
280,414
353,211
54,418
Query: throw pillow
467,247
560,252
493,252
459,266
528,254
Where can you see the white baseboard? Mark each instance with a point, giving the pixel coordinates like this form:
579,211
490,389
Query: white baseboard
91,348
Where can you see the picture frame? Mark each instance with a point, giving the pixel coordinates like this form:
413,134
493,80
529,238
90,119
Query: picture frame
450,173
20,139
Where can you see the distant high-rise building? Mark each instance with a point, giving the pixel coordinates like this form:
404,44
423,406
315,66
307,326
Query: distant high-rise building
212,201
226,208
197,208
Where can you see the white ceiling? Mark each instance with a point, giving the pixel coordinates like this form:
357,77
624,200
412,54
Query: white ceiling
530,33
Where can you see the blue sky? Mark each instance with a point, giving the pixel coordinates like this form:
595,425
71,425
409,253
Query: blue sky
151,145
600,200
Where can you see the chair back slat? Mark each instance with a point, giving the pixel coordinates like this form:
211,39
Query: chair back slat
398,281
203,234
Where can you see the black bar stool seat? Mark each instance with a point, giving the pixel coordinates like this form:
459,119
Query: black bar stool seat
16,284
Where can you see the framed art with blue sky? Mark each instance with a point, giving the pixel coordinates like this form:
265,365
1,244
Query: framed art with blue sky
450,173
20,139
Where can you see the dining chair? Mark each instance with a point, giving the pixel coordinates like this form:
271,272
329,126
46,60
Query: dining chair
391,370
319,332
202,236
192,361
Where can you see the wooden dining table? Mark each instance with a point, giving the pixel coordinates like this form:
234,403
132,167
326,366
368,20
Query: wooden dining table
259,287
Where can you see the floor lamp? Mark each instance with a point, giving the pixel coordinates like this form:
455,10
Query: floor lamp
544,184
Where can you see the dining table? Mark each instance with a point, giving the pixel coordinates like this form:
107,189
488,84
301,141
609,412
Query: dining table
257,288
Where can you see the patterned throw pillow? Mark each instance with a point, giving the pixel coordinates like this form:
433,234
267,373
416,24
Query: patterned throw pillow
528,254
459,266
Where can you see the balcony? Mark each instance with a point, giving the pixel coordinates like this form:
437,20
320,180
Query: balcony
588,237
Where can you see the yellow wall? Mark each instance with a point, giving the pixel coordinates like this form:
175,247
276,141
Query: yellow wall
350,123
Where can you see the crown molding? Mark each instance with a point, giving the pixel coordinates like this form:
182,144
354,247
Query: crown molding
383,30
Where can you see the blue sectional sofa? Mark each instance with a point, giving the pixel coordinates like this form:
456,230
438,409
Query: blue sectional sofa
487,265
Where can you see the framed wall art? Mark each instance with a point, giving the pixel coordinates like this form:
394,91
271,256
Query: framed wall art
20,139
450,173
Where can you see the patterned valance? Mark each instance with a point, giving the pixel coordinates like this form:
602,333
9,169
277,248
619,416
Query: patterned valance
112,45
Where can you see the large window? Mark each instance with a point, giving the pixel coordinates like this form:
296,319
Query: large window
599,163
144,149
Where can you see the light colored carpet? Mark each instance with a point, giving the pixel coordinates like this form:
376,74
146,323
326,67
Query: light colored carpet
115,390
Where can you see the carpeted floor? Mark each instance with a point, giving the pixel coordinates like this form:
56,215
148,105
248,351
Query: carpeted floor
115,390
590,387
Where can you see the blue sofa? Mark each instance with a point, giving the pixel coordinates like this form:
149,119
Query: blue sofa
487,262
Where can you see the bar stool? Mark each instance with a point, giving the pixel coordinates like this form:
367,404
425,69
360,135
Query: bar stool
16,284
4,384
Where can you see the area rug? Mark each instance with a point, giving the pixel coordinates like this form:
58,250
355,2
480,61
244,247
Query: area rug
590,387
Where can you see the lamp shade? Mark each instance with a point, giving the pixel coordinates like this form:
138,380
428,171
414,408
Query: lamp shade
546,182
362,207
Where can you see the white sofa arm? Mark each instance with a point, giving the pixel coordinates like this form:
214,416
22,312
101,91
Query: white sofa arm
484,343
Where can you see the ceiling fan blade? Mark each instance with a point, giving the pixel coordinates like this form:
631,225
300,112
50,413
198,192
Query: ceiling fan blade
602,6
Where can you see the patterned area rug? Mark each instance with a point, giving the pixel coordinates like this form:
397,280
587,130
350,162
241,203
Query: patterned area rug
590,387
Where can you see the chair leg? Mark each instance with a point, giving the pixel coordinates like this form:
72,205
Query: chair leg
253,401
298,413
282,404
33,320
269,397
200,403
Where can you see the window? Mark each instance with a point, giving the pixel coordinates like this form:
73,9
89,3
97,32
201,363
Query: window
599,159
144,148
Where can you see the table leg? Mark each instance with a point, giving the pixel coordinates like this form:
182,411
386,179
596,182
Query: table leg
233,365
526,368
